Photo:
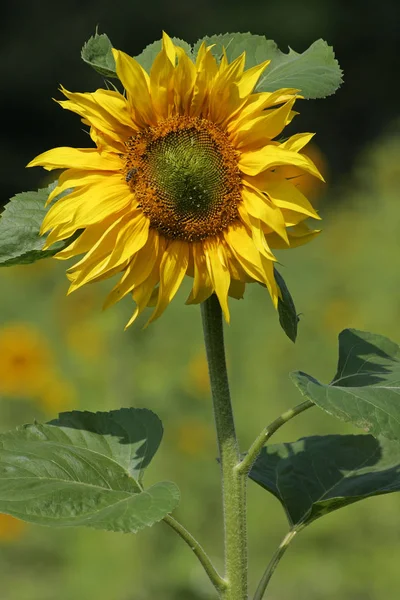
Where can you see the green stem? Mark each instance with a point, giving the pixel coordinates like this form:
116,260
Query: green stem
280,551
255,449
215,578
233,483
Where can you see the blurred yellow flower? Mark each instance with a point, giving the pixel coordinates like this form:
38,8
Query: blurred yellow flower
27,369
198,377
183,181
11,528
57,396
25,360
86,340
193,437
340,313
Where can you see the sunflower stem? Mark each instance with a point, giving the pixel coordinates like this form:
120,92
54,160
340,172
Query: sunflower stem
280,551
214,576
233,482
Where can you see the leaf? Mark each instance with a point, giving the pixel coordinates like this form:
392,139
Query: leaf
97,52
257,47
365,390
315,72
317,475
85,469
288,317
146,58
20,240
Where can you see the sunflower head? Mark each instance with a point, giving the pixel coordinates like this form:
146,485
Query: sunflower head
184,179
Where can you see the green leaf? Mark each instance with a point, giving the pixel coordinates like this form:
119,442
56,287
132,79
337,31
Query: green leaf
97,53
317,475
315,72
85,469
20,241
365,390
146,58
288,317
257,47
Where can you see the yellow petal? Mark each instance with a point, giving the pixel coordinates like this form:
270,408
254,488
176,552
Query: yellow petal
283,193
84,242
252,163
88,205
297,142
267,126
260,207
207,70
89,159
131,237
136,82
169,48
143,292
162,80
202,286
240,92
286,195
104,142
173,267
298,236
224,97
73,178
185,77
256,103
97,257
270,282
218,271
244,250
257,234
106,110
138,270
250,78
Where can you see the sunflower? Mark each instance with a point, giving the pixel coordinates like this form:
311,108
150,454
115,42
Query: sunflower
183,181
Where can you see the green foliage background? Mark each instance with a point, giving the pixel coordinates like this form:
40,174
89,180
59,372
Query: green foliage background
349,276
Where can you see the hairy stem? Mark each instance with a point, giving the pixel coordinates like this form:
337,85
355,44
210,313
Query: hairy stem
280,551
233,482
218,582
255,449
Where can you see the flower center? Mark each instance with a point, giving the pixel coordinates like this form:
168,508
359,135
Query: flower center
184,173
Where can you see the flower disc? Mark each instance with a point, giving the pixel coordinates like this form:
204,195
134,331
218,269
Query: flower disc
185,176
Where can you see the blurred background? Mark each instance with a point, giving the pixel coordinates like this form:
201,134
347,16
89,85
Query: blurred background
58,353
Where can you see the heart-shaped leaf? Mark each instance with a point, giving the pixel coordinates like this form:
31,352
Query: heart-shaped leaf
20,240
97,52
85,469
317,475
366,388
315,72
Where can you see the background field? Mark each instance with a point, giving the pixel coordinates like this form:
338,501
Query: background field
58,353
